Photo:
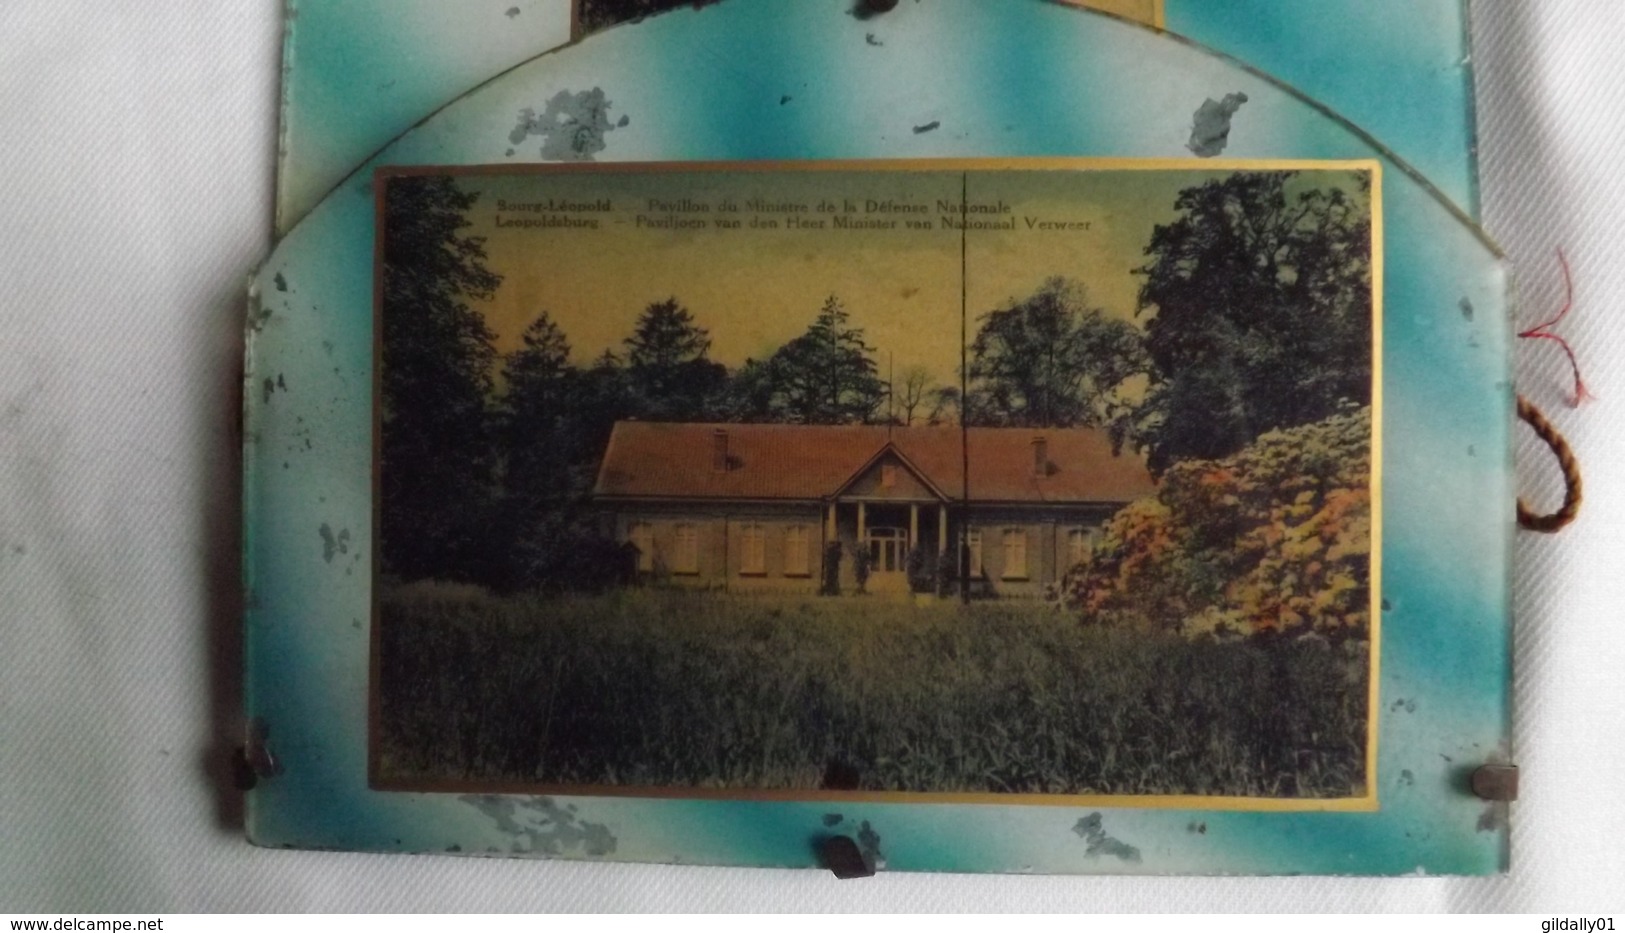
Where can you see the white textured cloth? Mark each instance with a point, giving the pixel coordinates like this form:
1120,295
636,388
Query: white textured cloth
136,155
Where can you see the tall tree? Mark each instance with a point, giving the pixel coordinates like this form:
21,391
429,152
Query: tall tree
667,364
537,408
945,406
604,397
437,459
752,393
911,395
828,374
1260,302
558,418
665,338
544,477
1052,360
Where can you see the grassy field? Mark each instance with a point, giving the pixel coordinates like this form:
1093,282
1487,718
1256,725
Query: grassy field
649,687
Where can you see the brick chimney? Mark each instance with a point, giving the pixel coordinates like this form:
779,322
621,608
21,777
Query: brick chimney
1040,456
719,451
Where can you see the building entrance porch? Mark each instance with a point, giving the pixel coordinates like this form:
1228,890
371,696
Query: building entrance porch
885,533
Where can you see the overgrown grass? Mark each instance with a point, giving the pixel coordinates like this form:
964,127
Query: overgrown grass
648,687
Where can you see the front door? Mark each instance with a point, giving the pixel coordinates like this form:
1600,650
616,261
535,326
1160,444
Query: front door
888,553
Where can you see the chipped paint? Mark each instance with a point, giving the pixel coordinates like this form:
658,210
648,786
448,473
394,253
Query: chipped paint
334,544
1092,830
539,826
1211,131
572,126
259,313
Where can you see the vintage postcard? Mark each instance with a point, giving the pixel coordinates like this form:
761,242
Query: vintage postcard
1016,481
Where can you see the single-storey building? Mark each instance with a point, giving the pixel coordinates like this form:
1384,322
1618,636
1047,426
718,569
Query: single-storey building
753,506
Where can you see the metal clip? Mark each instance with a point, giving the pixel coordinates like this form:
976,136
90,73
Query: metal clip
1497,783
844,859
254,761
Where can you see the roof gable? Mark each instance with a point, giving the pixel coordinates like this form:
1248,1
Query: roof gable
870,479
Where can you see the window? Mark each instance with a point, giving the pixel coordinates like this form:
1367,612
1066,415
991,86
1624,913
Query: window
973,540
753,550
1080,546
888,549
687,558
888,475
642,536
795,551
1015,554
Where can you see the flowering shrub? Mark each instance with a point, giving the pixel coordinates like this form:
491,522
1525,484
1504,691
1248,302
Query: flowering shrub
1276,538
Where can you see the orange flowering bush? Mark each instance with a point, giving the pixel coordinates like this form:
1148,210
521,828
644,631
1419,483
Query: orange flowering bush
1276,538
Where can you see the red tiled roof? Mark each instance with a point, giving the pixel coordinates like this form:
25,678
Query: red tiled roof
788,461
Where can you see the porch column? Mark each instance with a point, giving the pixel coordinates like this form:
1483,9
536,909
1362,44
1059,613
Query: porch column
863,523
913,525
829,523
942,529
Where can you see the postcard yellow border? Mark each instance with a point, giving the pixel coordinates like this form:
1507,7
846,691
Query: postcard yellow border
1364,803
1158,20
1159,15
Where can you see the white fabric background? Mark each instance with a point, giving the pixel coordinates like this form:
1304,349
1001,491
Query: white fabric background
136,155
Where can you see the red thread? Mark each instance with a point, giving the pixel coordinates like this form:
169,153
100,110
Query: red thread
1543,332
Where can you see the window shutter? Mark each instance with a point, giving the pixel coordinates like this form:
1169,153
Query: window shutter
754,558
688,550
1015,553
795,550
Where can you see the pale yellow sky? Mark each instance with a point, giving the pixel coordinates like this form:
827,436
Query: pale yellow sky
754,290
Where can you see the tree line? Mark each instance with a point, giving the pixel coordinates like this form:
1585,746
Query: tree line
1255,303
